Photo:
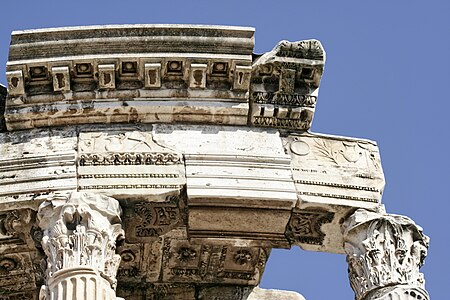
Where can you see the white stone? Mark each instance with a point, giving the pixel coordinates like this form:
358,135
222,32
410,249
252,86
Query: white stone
229,164
384,251
153,75
128,164
107,76
263,294
164,122
79,239
37,161
61,79
16,86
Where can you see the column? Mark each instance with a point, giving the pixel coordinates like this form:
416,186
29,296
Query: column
80,231
384,255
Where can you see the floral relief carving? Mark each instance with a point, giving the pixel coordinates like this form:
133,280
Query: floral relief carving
185,254
305,226
243,257
15,223
147,221
383,250
81,230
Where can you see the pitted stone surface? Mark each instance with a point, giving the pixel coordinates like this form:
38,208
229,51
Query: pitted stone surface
159,74
204,145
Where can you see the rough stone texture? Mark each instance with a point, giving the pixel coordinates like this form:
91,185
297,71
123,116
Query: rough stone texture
222,169
204,146
332,176
285,85
2,107
159,74
129,73
36,162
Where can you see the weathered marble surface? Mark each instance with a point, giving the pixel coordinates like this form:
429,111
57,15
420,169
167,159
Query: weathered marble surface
263,294
181,160
3,92
285,85
129,73
258,174
202,204
159,74
36,162
385,253
80,231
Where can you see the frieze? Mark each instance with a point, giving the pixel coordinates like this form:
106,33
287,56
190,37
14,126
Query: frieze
124,163
340,185
140,262
132,142
284,99
304,227
267,121
118,159
130,186
336,170
147,175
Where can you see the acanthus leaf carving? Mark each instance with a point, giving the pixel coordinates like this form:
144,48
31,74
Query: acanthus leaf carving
383,250
80,231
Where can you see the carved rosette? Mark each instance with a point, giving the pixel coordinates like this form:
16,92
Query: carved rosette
384,254
80,231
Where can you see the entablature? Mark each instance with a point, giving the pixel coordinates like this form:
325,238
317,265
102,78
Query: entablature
159,74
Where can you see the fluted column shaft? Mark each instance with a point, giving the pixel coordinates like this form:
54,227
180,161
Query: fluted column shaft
384,255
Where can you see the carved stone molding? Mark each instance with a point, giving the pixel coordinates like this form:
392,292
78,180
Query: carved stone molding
212,262
80,231
146,221
95,82
304,226
16,274
285,85
399,292
385,251
15,226
123,164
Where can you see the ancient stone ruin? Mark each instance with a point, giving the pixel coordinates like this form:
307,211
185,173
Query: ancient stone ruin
166,161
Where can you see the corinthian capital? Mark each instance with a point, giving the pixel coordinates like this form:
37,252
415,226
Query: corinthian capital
80,231
384,254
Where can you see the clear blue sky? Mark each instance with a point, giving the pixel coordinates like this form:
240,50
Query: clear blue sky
386,78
